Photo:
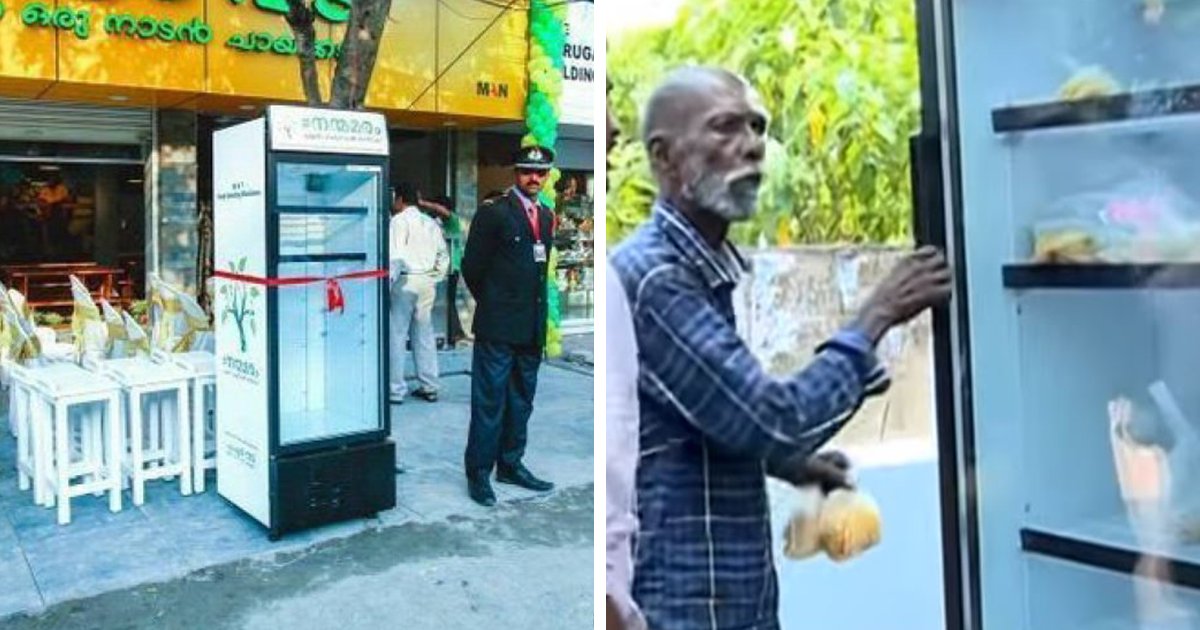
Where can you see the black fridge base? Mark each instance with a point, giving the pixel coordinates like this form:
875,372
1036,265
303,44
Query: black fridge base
334,485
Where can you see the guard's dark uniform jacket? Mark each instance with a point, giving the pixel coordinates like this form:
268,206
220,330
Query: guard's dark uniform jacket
498,266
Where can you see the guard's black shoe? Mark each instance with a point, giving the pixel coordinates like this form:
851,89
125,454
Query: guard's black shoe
481,492
520,476
426,395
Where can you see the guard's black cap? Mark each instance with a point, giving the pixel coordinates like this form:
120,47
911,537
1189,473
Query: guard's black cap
534,158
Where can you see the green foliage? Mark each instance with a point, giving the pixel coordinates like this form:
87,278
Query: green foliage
840,80
48,319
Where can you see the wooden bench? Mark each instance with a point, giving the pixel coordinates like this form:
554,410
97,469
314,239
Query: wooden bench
47,288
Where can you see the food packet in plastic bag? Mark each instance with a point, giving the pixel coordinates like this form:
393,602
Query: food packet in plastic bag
843,524
802,535
1145,219
850,524
1183,464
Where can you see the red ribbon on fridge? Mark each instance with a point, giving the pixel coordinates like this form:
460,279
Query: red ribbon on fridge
335,300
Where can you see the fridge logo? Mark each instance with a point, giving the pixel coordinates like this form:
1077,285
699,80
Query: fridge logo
239,303
492,90
240,452
335,124
244,370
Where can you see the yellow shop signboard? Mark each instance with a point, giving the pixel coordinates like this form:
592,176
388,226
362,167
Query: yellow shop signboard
220,53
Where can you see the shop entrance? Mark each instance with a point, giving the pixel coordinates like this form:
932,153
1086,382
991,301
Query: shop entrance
84,216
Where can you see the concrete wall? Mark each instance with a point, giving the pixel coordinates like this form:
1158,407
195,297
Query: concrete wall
796,298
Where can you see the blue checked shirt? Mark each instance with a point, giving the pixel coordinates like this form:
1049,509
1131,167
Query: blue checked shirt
713,425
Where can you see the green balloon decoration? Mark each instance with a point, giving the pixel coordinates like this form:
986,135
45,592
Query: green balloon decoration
547,40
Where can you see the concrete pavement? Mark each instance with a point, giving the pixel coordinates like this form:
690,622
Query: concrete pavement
143,567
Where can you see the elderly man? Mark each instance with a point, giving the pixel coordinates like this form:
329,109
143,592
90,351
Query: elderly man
713,423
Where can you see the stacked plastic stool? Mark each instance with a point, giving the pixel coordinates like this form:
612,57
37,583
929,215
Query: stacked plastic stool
203,369
156,401
69,435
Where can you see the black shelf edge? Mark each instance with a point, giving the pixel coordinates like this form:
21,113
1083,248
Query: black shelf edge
320,258
1145,104
1112,558
1103,276
319,210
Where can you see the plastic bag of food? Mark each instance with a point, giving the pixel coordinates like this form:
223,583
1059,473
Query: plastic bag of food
843,524
850,524
802,535
1089,82
1145,219
1183,464
1141,464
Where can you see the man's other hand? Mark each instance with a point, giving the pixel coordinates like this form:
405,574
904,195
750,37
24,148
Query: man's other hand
830,470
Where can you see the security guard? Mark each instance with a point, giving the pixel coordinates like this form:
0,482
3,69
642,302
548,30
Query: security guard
504,266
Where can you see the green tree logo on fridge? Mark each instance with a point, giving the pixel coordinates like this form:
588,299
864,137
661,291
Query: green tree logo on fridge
239,298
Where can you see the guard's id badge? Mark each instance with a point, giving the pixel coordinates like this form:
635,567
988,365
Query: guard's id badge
539,253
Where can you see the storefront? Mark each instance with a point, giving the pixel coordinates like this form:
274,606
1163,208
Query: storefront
107,110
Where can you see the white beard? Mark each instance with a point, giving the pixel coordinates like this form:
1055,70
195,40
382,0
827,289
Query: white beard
733,201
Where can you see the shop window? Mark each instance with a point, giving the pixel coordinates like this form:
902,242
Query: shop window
66,212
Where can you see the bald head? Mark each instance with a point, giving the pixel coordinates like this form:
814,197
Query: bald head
678,99
705,133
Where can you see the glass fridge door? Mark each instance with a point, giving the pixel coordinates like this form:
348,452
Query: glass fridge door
1077,132
329,362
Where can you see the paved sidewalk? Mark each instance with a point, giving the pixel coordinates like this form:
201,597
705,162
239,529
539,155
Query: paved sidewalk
171,536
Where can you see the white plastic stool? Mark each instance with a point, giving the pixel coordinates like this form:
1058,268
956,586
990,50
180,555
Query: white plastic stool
159,444
203,368
20,417
53,394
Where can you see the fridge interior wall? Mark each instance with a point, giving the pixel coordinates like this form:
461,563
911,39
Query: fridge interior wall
1067,596
329,369
1044,366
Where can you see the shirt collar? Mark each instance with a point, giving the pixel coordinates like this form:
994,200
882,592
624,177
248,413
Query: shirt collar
525,201
724,266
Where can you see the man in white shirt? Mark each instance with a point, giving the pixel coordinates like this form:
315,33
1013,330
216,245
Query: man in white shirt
621,445
419,260
621,454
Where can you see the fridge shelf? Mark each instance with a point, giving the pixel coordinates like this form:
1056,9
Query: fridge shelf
350,210
1110,544
1147,104
321,258
1102,276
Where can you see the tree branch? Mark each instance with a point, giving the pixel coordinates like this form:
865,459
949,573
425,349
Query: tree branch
301,17
360,48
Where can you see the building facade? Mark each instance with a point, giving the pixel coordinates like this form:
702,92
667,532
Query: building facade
107,109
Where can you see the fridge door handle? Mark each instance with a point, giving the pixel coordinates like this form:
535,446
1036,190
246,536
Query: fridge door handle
925,167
